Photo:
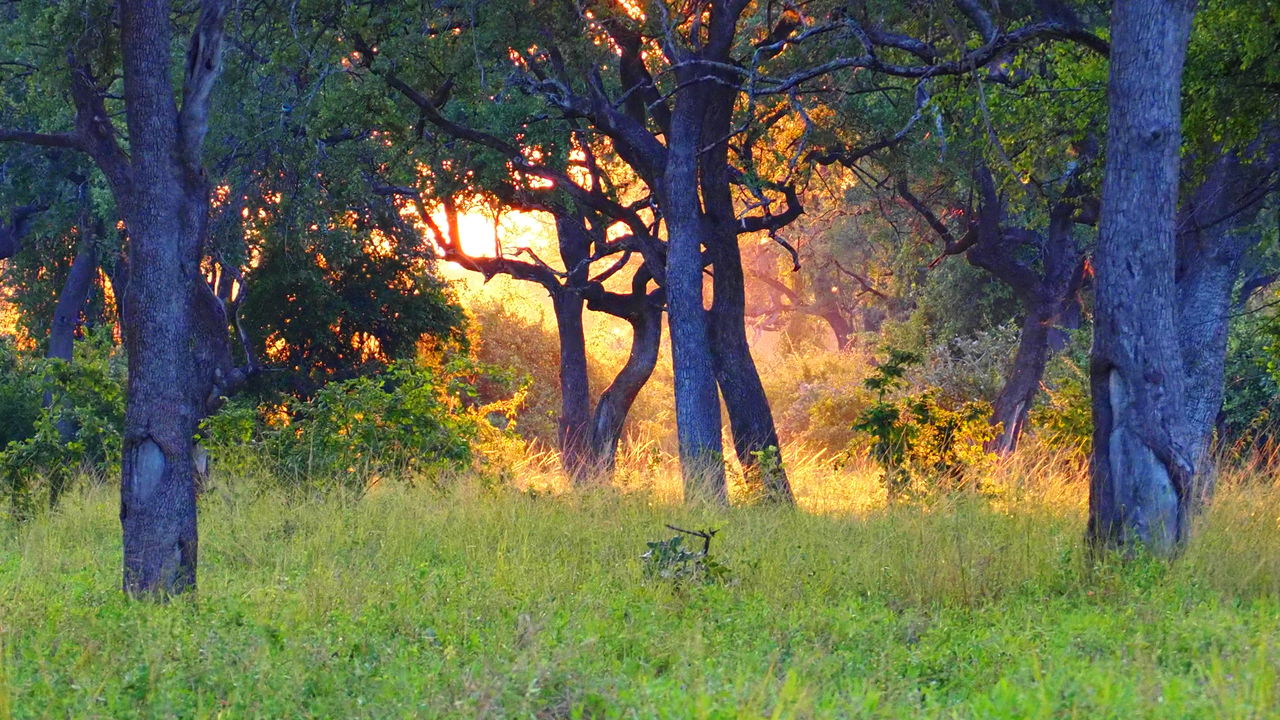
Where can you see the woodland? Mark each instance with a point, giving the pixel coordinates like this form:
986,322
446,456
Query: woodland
639,358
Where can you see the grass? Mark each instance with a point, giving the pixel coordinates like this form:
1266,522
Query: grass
499,602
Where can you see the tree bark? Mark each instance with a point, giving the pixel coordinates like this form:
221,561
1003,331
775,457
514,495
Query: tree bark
75,291
693,364
615,402
66,318
574,428
1213,240
1050,299
755,437
174,329
1023,382
1141,465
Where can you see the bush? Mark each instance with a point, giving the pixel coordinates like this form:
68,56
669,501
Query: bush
530,349
1251,401
1063,416
19,394
817,395
78,432
972,366
413,420
920,444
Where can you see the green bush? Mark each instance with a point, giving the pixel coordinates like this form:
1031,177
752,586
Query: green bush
411,421
1063,415
920,444
1251,398
77,432
19,394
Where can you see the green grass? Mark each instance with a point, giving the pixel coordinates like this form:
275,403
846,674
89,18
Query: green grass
480,603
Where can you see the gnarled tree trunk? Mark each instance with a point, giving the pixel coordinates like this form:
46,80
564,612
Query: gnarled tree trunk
1141,466
616,400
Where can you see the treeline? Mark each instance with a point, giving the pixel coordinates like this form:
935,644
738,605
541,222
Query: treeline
260,192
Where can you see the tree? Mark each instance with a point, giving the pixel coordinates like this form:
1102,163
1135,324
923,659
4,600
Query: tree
1142,465
1044,269
1167,271
448,150
701,87
175,330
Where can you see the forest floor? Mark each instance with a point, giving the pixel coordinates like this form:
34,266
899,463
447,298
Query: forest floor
489,601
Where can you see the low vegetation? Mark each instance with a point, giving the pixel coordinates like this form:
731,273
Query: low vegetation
486,599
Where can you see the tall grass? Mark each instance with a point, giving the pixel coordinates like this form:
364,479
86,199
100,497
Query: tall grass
520,599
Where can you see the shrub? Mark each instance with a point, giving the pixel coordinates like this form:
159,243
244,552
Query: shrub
817,395
919,443
971,366
411,420
77,432
19,394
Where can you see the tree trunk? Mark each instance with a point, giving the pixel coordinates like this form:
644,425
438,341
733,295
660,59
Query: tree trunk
1141,464
840,326
615,402
174,330
1050,297
574,430
66,317
1213,240
696,397
75,291
755,437
1023,382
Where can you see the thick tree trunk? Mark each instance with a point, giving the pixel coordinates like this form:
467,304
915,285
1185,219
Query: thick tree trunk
1213,240
175,331
615,402
696,396
755,437
1141,463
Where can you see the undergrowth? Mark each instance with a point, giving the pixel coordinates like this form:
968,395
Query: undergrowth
481,599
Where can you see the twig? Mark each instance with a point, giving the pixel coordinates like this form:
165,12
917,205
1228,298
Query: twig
706,536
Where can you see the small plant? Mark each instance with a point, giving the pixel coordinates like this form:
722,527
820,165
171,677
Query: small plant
915,439
670,560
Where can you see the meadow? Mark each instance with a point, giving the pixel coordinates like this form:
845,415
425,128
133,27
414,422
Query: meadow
482,598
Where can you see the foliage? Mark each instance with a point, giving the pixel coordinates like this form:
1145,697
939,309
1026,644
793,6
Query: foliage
816,394
330,308
971,366
412,421
671,561
1064,419
77,432
916,440
958,300
1251,396
529,349
1063,416
19,393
